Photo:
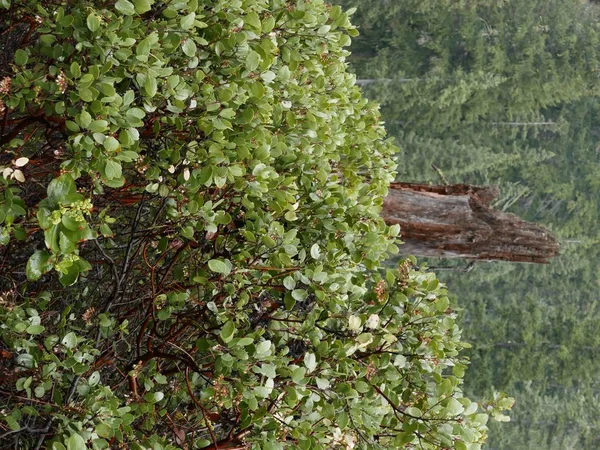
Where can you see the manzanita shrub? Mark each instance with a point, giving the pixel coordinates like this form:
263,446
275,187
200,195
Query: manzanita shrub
191,249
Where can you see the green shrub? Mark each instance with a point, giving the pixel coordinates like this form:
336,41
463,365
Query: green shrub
192,249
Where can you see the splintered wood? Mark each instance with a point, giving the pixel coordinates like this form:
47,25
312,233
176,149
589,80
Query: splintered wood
456,221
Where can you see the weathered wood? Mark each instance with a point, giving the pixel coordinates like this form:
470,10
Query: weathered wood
456,221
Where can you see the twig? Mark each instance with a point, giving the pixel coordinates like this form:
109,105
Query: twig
204,413
440,174
134,225
469,267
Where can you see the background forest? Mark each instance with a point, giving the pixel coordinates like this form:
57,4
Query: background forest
507,93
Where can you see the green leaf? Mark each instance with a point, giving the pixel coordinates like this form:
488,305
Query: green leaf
324,29
86,80
263,349
252,60
75,70
272,445
125,7
94,378
298,374
145,45
315,251
104,430
227,331
310,361
187,232
69,275
189,47
342,419
403,438
85,119
362,387
150,86
136,113
236,171
244,341
37,265
86,95
289,302
112,169
35,329
268,76
60,188
69,340
143,6
111,145
107,89
253,20
460,445
219,266
98,126
72,126
39,391
70,223
187,21
454,407
257,90
21,57
289,283
66,244
76,442
299,294
93,22
268,24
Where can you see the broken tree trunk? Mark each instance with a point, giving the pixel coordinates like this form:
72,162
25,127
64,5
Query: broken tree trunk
456,221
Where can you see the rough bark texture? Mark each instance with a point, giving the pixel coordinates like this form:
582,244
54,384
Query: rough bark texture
456,221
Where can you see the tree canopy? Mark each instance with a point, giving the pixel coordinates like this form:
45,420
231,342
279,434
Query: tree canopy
192,251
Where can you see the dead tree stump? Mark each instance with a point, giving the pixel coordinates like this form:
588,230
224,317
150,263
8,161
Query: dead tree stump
456,221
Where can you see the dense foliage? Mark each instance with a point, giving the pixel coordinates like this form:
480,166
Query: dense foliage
506,93
191,243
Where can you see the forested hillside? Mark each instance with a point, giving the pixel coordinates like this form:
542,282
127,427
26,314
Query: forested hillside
507,93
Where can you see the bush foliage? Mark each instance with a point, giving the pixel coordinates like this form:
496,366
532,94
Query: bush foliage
192,252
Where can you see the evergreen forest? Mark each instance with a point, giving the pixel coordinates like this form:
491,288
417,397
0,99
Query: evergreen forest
506,93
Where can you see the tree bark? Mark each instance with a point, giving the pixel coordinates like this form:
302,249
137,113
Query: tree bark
456,221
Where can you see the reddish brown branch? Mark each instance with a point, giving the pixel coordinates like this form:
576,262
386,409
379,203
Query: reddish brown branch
204,412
